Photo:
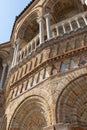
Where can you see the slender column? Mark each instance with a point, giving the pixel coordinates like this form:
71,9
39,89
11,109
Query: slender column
41,30
3,76
77,23
16,48
57,31
63,28
84,19
70,26
47,17
31,47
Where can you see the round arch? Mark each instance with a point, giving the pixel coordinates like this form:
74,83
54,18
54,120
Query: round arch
72,103
32,113
62,9
24,24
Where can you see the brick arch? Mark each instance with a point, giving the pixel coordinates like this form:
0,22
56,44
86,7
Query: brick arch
31,105
72,102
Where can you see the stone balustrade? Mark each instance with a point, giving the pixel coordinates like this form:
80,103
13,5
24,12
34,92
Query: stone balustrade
69,25
28,49
57,30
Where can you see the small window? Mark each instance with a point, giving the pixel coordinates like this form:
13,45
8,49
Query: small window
12,93
41,58
21,88
21,72
54,71
63,67
26,52
29,49
72,64
28,85
46,74
13,78
37,43
35,62
16,91
30,66
33,81
26,69
83,62
33,46
17,76
40,77
22,55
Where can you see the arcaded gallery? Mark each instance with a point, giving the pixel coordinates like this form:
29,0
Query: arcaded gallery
43,68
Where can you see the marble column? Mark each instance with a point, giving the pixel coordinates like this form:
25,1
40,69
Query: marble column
41,30
3,76
16,49
47,17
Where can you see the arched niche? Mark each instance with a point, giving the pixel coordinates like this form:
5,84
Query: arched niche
63,9
31,114
72,103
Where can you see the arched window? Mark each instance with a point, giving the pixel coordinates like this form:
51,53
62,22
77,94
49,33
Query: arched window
63,67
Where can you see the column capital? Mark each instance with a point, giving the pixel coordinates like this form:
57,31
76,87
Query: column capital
39,19
4,65
17,41
47,15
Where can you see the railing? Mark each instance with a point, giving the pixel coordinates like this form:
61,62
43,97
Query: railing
29,48
69,25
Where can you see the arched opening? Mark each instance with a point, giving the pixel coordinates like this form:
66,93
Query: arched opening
72,104
28,30
63,9
32,114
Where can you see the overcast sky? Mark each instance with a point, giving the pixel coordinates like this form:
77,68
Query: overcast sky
9,9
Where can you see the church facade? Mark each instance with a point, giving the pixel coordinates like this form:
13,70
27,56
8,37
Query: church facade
43,68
